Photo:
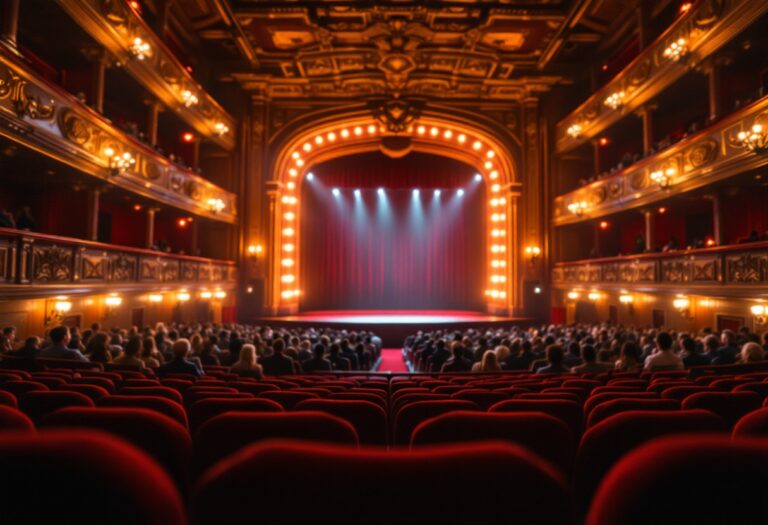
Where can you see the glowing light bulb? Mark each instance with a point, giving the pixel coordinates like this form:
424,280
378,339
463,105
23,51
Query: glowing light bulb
462,138
344,133
434,132
477,145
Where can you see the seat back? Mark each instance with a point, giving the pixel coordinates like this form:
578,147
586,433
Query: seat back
661,483
227,433
158,391
616,406
286,398
159,404
530,489
369,419
567,411
731,406
485,399
122,484
754,424
204,409
14,419
409,416
39,404
543,434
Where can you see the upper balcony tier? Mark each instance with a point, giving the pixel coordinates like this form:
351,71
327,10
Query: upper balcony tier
34,264
708,26
713,154
44,117
733,270
125,34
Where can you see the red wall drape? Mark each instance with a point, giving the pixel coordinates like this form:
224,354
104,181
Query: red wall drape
393,251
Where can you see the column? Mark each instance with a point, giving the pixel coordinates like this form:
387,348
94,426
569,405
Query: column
196,152
163,18
717,217
712,70
153,115
149,235
9,21
596,156
646,114
648,230
274,251
92,232
99,80
643,29
195,233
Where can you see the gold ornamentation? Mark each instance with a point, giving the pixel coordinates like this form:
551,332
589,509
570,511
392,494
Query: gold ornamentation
703,153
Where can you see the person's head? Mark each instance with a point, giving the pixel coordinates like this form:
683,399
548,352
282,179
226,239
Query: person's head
134,346
630,352
554,354
728,337
149,347
59,335
711,343
319,350
181,348
278,346
490,361
334,350
589,354
457,349
752,353
9,332
248,354
664,341
32,342
688,345
502,353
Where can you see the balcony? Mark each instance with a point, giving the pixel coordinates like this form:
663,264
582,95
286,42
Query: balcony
711,155
45,118
125,34
33,264
705,29
726,270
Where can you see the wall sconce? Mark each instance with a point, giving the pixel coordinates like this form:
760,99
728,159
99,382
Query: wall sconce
626,299
206,294
189,98
216,205
755,140
219,294
183,296
574,130
663,177
255,249
676,50
615,100
220,128
573,295
155,298
759,311
57,310
577,208
594,296
533,252
119,163
140,49
111,302
682,305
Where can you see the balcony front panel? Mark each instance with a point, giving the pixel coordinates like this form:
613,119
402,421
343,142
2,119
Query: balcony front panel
726,270
116,26
33,264
713,154
707,27
46,118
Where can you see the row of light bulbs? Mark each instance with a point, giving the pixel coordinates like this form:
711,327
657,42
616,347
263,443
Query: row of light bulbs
62,304
289,199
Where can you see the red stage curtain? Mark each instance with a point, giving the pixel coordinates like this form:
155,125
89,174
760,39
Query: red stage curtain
393,251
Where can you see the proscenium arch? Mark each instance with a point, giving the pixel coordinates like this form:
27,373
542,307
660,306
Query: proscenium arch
355,132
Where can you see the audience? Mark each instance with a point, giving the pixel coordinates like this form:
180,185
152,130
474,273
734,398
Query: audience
58,348
248,362
317,363
457,363
179,364
554,356
130,355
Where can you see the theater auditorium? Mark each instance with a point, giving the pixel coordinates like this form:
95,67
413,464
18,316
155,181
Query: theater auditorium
383,262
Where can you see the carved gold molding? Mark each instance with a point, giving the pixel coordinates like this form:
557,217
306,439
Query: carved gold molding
47,119
713,154
706,28
116,26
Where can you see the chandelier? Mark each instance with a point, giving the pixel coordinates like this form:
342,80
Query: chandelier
676,50
755,140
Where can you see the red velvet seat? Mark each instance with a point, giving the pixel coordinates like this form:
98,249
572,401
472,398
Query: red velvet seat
602,445
617,406
8,399
252,388
408,417
22,387
507,483
369,419
760,389
660,386
485,399
158,391
731,406
105,383
227,433
543,434
193,397
596,399
681,392
39,404
580,393
141,382
92,391
177,384
754,424
362,394
567,411
83,477
159,404
661,483
160,436
50,381
204,409
287,398
14,419
587,384
616,389
566,396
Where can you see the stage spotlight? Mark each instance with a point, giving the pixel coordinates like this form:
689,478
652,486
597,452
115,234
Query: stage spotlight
336,192
380,191
416,193
437,193
357,193
460,192
478,177
310,176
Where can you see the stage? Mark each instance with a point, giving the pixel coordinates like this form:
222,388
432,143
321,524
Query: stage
393,326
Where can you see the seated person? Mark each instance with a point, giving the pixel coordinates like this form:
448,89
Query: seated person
664,358
179,363
458,363
318,363
338,362
130,355
277,363
691,355
58,349
590,364
248,362
30,349
555,356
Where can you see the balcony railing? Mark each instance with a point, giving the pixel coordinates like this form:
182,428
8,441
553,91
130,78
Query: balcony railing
39,263
737,267
46,118
708,26
713,154
117,27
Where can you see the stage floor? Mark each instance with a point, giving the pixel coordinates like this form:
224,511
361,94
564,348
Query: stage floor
371,317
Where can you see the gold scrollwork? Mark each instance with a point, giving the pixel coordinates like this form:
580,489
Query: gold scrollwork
74,128
702,154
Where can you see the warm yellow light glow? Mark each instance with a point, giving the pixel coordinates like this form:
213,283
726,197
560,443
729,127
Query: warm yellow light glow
287,199
289,216
288,232
498,263
498,279
155,298
502,201
490,154
494,175
219,294
307,147
109,152
573,295
462,138
575,130
287,294
758,309
113,300
288,247
299,162
371,129
496,188
434,132
448,134
477,145
295,155
183,296
319,140
62,306
344,133
206,294
287,262
498,233
358,130
291,185
421,130
498,248
331,136
255,248
626,299
532,250
593,296
681,303
292,172
288,278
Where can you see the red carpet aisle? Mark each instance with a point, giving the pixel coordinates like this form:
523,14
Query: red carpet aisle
392,360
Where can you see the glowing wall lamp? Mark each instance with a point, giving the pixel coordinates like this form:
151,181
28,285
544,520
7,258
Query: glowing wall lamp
255,249
533,252
663,177
205,294
155,298
58,308
574,130
573,295
183,296
577,208
112,302
759,311
219,294
676,50
593,296
755,140
628,300
682,304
